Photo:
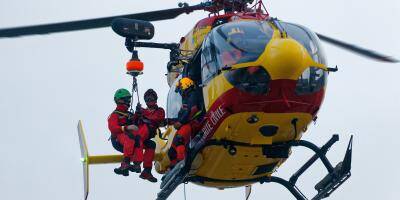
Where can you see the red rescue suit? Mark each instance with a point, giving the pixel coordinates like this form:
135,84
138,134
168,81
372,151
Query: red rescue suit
148,120
189,119
116,123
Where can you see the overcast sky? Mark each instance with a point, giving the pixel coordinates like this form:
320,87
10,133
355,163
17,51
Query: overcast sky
48,83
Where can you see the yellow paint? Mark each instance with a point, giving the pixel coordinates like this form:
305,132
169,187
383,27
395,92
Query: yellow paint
199,35
214,89
194,39
224,185
219,164
236,128
283,58
161,154
105,159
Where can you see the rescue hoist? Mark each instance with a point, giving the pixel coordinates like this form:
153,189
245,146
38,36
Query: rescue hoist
133,30
134,67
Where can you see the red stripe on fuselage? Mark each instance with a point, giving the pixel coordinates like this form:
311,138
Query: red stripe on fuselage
281,98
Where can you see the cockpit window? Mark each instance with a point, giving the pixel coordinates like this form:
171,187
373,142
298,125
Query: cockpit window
312,80
174,101
308,39
208,60
233,43
254,80
242,41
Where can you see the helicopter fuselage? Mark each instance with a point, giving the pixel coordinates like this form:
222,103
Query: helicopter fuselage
267,95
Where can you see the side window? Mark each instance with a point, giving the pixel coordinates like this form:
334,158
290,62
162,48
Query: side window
208,60
174,101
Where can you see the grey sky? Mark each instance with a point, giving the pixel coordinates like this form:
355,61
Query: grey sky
48,83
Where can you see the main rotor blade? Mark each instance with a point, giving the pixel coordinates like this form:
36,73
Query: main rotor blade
365,52
96,23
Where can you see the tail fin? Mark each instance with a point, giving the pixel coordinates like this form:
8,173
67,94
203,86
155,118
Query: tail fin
92,160
84,159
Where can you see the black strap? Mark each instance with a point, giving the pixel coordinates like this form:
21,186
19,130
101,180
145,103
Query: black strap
125,114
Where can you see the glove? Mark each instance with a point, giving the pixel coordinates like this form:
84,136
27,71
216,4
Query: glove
138,108
177,125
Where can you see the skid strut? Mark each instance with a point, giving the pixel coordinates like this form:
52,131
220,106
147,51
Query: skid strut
336,175
172,179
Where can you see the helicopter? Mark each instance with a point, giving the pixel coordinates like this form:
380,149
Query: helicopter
224,144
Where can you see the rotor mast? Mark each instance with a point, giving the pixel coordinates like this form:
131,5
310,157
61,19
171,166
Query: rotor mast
231,6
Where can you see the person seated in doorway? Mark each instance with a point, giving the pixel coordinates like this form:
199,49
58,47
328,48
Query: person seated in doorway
188,122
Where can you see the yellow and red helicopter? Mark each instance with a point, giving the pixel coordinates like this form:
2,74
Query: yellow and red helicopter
263,82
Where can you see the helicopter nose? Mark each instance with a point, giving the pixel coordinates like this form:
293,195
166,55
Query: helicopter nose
284,58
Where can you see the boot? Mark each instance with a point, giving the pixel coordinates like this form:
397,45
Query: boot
124,168
135,167
146,174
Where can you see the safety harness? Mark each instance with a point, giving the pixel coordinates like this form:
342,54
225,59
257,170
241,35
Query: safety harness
125,114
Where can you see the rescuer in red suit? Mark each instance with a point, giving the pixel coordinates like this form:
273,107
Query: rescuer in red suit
188,120
148,120
121,128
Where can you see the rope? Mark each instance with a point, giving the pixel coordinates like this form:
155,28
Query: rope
137,92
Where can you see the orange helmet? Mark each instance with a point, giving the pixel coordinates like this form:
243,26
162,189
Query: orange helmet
185,83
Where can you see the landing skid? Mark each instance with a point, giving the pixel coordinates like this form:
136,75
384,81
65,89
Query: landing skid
336,175
172,179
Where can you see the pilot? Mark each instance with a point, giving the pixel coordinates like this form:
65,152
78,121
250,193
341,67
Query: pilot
232,55
149,120
188,121
121,128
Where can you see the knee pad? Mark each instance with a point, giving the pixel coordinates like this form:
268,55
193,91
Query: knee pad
178,140
150,144
137,140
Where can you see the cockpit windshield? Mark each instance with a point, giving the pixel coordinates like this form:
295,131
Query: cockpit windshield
236,42
308,39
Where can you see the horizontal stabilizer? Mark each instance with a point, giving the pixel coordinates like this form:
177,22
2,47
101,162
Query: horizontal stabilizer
105,159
